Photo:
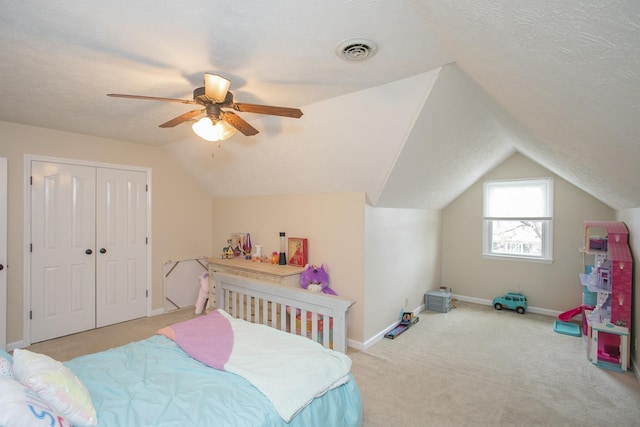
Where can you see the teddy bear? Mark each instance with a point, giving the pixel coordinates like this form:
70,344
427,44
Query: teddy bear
316,279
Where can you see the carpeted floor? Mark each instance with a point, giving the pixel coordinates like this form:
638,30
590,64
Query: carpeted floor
95,340
476,366
473,366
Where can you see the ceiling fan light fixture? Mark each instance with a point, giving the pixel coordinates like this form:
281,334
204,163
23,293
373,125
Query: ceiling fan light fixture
215,87
207,130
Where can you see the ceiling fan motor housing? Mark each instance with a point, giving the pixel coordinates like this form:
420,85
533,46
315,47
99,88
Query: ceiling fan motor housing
213,111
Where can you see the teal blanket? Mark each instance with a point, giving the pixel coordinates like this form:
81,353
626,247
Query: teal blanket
154,383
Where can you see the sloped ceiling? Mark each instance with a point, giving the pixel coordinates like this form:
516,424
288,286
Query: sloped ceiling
454,88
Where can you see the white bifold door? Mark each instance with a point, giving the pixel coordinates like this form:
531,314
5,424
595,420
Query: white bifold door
3,253
88,249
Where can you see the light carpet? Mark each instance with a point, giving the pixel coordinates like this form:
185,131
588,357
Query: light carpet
475,366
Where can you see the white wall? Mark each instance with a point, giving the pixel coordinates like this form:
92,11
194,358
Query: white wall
402,263
333,223
549,286
181,210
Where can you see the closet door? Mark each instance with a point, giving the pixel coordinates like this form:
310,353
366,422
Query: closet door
121,236
63,249
3,253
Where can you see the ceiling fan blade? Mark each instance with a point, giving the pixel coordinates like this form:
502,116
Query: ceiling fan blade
215,87
238,122
181,118
152,98
268,109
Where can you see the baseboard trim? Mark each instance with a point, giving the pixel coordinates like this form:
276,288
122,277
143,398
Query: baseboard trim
156,312
16,344
537,310
364,346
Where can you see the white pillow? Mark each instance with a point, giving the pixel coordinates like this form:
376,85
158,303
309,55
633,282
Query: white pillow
22,407
56,384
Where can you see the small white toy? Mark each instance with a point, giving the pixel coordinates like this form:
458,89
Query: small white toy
203,294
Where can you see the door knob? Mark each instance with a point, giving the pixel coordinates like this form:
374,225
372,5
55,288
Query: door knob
88,252
1,267
103,251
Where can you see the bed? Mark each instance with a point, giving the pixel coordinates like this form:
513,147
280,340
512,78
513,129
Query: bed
254,361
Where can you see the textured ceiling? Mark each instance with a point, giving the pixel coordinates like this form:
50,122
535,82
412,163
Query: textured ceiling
557,81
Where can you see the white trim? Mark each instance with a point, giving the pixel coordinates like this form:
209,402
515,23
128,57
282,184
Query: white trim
26,282
482,301
517,258
364,346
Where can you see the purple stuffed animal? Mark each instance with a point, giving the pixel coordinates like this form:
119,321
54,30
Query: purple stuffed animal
316,279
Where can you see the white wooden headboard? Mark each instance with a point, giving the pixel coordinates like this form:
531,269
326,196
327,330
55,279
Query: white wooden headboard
283,308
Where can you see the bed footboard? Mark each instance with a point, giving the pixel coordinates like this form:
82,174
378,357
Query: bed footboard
320,317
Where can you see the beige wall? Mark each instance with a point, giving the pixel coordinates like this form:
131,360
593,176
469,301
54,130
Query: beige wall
181,211
332,222
631,217
402,263
549,286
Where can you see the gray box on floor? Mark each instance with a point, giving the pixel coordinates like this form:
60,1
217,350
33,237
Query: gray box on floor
438,301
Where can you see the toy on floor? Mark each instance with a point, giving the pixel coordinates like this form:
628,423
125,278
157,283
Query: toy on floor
569,314
567,328
407,320
203,293
513,301
316,279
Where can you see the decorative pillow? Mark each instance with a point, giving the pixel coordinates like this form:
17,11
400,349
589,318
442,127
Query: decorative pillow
56,384
6,368
6,365
22,407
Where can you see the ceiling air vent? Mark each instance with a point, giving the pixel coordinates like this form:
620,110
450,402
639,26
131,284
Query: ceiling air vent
356,49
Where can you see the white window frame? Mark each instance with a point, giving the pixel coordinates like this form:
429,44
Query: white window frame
547,220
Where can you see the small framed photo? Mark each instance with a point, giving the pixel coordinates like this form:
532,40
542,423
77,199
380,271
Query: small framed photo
297,251
407,317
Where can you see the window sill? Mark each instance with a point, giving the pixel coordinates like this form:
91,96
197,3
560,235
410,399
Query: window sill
518,258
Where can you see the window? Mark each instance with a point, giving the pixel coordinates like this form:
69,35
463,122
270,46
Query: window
518,219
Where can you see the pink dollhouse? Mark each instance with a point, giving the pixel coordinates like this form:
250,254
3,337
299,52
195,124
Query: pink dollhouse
607,327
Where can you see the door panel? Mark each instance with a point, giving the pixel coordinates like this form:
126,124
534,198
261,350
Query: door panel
3,253
121,267
63,242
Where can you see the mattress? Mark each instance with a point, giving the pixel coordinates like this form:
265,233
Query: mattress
154,383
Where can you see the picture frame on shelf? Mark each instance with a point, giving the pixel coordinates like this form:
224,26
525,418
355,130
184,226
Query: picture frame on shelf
237,243
298,251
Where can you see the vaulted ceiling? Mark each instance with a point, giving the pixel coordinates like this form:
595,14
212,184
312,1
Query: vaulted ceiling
453,88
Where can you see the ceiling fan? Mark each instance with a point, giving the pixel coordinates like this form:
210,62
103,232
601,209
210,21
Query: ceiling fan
217,124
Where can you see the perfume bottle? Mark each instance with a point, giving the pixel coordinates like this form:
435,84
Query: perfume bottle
283,258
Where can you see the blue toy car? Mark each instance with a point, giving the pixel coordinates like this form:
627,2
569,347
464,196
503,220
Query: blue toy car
512,301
